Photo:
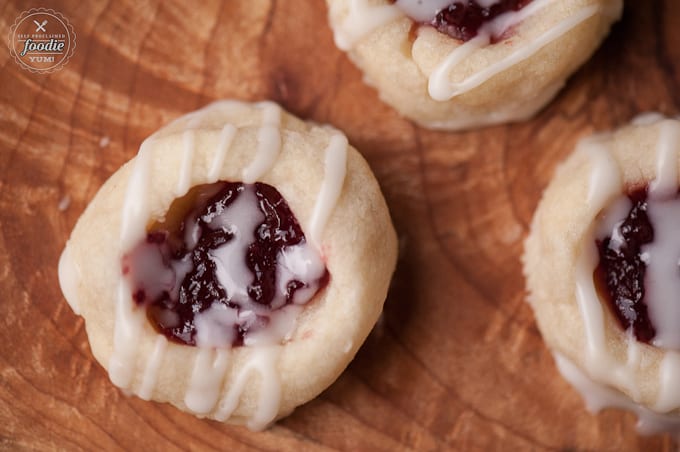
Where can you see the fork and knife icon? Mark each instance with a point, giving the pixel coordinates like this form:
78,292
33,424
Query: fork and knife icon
41,26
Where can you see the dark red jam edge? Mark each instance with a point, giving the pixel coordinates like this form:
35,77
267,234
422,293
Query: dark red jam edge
620,274
200,288
463,20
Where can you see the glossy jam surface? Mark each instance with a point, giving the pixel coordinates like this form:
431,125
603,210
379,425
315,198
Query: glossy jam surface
620,274
227,256
463,19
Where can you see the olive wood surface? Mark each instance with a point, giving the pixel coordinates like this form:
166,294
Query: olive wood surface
456,362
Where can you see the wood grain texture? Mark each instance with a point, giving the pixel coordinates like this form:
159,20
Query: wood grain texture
455,364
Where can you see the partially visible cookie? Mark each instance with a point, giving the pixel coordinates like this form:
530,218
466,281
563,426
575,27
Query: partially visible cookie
602,264
459,64
235,265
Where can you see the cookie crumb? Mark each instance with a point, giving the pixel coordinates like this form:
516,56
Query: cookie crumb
64,203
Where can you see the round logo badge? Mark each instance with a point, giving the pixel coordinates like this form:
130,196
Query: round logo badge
42,40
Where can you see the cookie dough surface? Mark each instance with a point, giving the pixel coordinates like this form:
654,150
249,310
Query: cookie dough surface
592,349
248,384
443,83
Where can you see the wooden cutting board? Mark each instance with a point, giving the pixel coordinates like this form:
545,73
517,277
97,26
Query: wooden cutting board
456,363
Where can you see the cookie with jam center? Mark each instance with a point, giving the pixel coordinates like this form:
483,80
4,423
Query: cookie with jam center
235,265
462,64
602,265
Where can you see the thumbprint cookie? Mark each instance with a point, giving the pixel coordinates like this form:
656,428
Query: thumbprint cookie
460,64
602,264
235,265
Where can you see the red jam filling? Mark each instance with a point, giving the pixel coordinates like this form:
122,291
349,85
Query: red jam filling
620,274
209,239
463,20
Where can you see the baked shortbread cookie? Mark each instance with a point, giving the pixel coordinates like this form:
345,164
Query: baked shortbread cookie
602,269
235,265
459,64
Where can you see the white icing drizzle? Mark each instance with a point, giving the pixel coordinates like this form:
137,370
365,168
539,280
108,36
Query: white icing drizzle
662,278
128,320
426,11
263,361
211,365
207,376
280,328
362,18
189,142
440,86
152,367
669,390
606,184
662,256
647,119
666,182
227,135
268,143
127,328
598,397
609,224
348,346
135,211
502,114
69,275
241,219
335,167
300,262
215,326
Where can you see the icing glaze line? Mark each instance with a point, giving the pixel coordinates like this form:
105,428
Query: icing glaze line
441,89
335,169
268,143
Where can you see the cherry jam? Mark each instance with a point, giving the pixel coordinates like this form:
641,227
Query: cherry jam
620,273
224,247
463,20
